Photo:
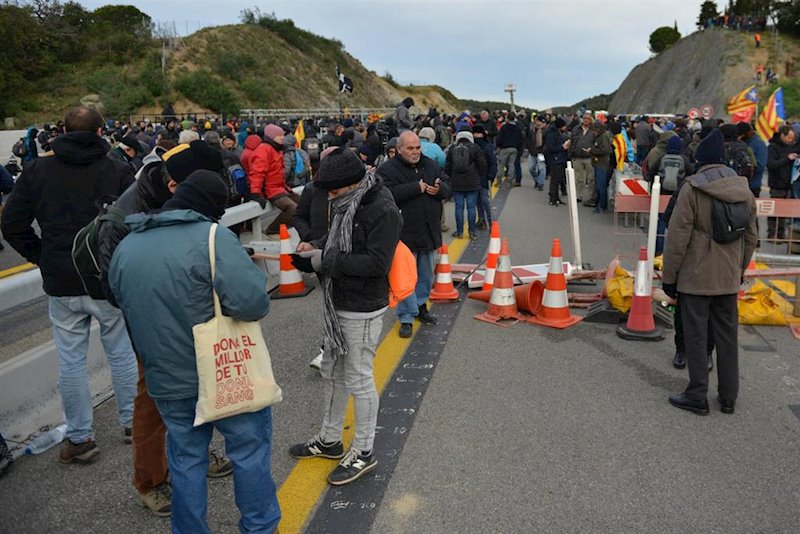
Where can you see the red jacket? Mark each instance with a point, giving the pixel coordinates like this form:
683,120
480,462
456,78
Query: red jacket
250,145
265,174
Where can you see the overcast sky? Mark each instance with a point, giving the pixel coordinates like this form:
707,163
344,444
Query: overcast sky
556,52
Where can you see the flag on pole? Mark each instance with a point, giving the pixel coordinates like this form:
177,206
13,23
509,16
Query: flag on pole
299,134
772,114
746,115
747,99
345,83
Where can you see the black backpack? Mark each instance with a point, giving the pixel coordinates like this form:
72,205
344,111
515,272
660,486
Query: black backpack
461,158
737,157
85,249
19,149
729,220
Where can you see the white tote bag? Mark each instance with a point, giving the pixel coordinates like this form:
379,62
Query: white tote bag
234,370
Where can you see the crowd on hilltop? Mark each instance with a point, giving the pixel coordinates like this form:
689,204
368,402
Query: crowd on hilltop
734,21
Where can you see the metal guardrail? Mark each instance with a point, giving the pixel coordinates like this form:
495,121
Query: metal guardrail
285,113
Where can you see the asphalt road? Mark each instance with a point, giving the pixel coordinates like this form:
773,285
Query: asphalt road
521,429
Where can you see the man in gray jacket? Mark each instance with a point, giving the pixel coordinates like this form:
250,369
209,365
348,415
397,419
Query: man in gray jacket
583,136
705,274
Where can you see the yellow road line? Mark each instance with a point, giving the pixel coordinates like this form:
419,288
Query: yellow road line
305,484
18,269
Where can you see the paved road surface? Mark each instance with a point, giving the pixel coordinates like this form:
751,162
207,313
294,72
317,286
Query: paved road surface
521,429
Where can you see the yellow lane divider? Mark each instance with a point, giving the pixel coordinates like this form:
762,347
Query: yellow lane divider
18,269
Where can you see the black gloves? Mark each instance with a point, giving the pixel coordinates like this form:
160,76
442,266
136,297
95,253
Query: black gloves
258,198
671,290
308,262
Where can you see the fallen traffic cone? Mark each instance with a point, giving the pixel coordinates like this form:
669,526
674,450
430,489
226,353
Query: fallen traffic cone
492,257
555,306
529,297
641,326
443,288
290,281
502,302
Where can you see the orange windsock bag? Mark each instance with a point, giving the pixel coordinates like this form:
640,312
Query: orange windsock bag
402,274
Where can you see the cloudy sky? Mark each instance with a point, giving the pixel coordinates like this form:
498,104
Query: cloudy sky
556,52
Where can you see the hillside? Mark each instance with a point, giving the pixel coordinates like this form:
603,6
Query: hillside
706,67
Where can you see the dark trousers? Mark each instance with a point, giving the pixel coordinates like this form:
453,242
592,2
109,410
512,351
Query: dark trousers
558,179
720,314
774,223
680,340
288,205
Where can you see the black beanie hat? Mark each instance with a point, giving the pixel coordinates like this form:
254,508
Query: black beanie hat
203,191
711,150
560,123
728,131
184,159
340,168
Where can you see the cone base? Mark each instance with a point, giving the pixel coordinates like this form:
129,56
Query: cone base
604,313
500,321
276,293
444,295
651,335
556,323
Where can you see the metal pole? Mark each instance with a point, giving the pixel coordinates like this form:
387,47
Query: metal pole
655,198
573,216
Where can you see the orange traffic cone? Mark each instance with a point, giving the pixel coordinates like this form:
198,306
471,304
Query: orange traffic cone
747,282
641,326
290,281
443,288
554,311
502,303
491,259
528,297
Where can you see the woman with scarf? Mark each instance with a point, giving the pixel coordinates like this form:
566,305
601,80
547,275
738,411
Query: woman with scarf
353,260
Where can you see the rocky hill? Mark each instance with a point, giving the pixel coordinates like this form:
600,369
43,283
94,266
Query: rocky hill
706,67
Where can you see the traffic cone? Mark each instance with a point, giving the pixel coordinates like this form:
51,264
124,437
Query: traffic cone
502,302
555,305
529,297
641,326
492,257
743,288
443,288
290,281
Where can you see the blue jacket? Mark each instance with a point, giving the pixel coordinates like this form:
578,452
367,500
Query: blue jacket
759,149
433,151
161,279
241,137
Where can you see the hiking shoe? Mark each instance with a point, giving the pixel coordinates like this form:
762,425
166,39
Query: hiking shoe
480,224
679,361
316,363
218,464
81,453
539,187
127,435
355,465
316,448
457,235
405,329
473,236
425,316
158,500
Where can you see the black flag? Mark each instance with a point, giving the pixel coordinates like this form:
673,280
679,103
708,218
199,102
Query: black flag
345,83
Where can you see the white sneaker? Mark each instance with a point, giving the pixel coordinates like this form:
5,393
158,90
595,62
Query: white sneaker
316,363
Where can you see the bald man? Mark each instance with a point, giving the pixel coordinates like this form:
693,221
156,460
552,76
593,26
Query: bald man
418,186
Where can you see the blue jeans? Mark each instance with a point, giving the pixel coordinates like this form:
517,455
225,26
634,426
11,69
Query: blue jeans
71,318
537,169
484,206
409,308
601,185
248,443
471,198
661,228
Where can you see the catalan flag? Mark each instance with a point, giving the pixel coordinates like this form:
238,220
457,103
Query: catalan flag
299,134
747,99
772,114
620,151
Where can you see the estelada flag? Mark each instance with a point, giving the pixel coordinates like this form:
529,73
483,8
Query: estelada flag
620,151
299,134
771,116
744,100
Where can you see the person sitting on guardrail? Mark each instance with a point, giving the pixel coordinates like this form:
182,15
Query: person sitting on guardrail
61,194
161,278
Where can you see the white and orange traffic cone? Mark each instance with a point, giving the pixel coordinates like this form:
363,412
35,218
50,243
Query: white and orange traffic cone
502,302
492,257
290,280
443,288
554,311
641,326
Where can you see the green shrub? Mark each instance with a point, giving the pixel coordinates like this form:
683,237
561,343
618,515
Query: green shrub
201,87
233,64
255,91
662,38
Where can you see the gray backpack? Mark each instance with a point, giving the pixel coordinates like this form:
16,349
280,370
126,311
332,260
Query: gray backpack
672,171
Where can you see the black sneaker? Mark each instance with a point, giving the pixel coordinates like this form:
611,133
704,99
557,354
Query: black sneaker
679,361
316,448
425,316
405,329
480,224
127,435
352,467
473,236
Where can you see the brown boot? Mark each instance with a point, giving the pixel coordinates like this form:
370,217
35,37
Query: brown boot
82,453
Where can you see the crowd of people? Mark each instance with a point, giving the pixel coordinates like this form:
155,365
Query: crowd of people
367,187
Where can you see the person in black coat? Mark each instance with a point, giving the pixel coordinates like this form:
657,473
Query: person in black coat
418,187
782,153
465,182
556,153
484,204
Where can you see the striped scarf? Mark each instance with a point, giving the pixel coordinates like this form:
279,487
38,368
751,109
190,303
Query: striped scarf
340,240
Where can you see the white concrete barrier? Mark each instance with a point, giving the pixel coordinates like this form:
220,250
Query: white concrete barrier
20,288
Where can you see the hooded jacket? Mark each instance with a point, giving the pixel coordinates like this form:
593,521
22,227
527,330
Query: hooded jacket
265,171
421,212
778,163
554,152
61,192
469,180
657,152
161,278
692,259
313,216
250,145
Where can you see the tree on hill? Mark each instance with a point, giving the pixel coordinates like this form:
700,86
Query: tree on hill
662,38
788,16
708,11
